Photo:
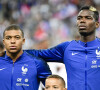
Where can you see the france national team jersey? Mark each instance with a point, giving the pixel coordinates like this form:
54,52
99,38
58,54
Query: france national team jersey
25,74
82,62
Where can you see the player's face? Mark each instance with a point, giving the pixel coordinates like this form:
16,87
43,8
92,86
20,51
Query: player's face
13,41
54,84
86,22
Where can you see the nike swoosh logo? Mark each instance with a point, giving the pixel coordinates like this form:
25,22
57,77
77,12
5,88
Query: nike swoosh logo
74,53
2,69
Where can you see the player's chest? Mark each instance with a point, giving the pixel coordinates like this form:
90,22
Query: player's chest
83,57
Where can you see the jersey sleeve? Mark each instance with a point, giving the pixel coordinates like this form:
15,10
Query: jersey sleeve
43,70
54,54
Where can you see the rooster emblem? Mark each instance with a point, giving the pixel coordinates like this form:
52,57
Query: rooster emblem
98,53
24,70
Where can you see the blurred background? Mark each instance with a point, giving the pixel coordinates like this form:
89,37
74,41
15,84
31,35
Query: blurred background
46,23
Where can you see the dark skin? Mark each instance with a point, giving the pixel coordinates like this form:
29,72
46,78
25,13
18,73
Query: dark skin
13,42
87,25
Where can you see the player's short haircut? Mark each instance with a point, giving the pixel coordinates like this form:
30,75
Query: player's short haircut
57,77
93,9
13,27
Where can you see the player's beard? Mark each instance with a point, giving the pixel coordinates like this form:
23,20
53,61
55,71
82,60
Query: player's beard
86,33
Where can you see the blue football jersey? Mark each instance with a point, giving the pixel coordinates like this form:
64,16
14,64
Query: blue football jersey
25,74
82,62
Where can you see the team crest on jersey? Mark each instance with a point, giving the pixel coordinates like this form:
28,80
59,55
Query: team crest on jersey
98,52
24,69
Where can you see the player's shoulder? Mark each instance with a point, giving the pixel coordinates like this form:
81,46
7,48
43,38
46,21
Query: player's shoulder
66,42
98,39
2,58
64,45
34,58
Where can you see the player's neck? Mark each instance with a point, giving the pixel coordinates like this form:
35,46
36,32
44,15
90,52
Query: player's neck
15,56
88,38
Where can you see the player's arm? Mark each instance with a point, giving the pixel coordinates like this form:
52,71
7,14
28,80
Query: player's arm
54,54
43,70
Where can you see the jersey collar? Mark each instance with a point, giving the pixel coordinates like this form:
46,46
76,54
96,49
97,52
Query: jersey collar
89,44
20,58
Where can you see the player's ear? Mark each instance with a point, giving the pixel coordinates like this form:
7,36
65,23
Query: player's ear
3,42
97,24
23,40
